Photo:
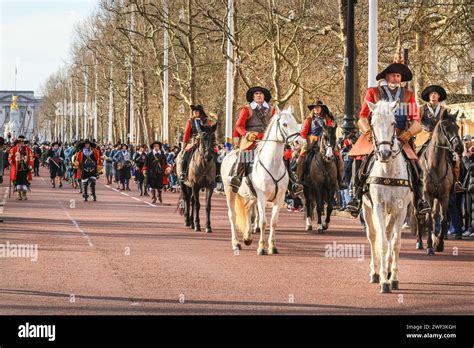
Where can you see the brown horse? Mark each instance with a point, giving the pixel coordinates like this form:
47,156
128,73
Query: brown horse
437,166
320,180
201,174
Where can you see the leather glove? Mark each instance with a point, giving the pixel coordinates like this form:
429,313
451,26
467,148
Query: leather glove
251,136
368,135
405,137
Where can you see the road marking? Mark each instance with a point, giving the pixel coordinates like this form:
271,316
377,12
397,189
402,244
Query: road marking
124,194
135,198
74,222
151,204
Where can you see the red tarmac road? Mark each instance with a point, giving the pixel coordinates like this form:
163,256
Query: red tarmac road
121,255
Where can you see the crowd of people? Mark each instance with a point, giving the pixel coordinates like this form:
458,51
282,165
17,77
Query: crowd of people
153,166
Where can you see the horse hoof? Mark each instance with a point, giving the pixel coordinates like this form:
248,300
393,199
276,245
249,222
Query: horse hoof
197,228
191,226
261,252
389,274
384,288
394,284
325,226
208,230
236,247
419,245
430,252
247,242
320,231
375,278
439,247
188,224
272,251
309,228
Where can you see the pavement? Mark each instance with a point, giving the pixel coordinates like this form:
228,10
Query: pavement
124,255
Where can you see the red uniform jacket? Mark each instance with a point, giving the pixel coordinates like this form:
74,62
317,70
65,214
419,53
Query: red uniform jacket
240,125
188,129
12,157
97,156
307,126
373,97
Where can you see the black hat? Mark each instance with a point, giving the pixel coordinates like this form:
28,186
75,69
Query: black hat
199,108
321,104
425,95
399,68
56,143
80,145
252,90
21,138
156,142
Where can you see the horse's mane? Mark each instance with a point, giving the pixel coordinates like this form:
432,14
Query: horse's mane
267,130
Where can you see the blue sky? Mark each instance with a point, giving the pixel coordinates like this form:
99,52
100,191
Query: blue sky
36,35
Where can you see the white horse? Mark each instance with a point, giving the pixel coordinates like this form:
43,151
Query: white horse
390,194
269,178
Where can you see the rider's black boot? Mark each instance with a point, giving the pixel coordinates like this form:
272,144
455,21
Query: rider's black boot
236,175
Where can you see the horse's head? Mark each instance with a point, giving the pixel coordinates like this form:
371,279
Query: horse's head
327,143
383,128
207,141
447,133
283,126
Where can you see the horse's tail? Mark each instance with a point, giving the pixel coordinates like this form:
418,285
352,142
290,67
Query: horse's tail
242,218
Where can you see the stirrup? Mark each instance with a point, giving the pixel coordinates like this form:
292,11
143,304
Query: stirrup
353,206
235,183
423,207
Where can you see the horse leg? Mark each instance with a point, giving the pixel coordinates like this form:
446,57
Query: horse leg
262,219
439,238
420,226
231,196
209,192
382,245
186,206
431,223
272,249
371,236
396,243
197,207
319,211
191,209
329,210
308,208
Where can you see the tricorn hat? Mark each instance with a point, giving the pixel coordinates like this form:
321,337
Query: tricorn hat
399,68
156,142
321,104
425,95
81,144
199,108
252,90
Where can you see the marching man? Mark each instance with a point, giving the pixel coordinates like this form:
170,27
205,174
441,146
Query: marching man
89,162
21,161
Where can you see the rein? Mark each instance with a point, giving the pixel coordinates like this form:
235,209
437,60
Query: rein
286,137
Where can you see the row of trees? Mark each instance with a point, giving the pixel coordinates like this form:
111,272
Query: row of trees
293,47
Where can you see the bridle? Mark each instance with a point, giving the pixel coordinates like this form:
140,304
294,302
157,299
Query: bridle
450,146
391,142
323,149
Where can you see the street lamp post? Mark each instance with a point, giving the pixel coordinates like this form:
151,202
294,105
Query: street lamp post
129,109
348,124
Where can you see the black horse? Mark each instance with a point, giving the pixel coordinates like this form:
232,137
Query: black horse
320,180
438,174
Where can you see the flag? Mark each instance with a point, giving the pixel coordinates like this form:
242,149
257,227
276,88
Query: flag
13,105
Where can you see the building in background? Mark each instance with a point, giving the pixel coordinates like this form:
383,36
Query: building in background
20,120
